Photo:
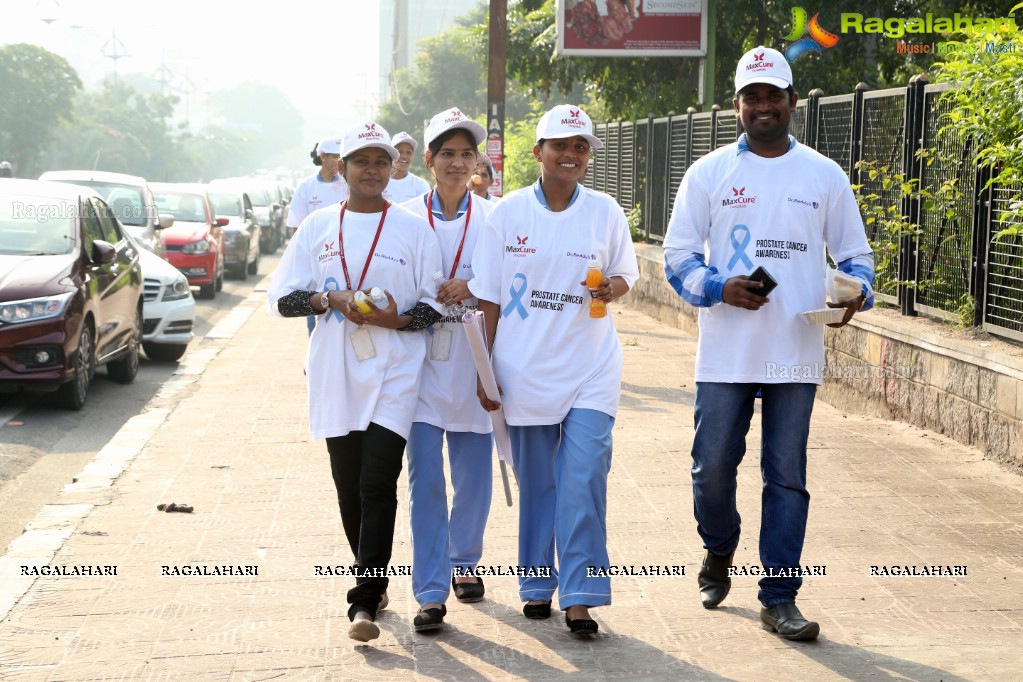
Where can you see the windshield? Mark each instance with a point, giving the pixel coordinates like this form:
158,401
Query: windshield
37,226
126,201
226,204
189,208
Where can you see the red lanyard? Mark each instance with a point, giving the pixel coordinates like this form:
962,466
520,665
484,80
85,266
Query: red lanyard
372,249
465,230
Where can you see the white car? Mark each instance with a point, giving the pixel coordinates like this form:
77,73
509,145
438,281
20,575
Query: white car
168,309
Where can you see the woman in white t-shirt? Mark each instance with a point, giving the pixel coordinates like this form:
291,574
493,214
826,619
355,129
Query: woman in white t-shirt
404,185
446,548
559,368
363,368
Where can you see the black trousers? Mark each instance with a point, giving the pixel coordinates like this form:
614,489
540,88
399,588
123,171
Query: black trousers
365,466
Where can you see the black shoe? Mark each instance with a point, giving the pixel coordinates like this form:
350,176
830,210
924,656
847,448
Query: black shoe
581,627
788,622
537,611
713,579
468,593
430,619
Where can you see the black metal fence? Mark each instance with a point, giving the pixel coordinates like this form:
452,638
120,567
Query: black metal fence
949,266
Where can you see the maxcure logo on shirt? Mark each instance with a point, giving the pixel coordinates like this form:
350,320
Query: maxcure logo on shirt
521,248
738,199
329,252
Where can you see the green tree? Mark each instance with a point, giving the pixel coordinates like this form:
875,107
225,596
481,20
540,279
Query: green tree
37,89
263,116
118,129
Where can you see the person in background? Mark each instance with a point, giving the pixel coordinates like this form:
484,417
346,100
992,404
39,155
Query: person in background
363,368
559,368
765,186
404,184
446,547
324,188
483,179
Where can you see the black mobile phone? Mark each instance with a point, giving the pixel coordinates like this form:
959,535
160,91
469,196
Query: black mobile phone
763,276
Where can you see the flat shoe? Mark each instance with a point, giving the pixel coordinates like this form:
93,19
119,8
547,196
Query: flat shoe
384,601
430,619
537,611
581,627
363,630
468,593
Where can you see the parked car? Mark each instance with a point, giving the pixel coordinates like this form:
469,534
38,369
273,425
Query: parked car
130,198
268,211
71,291
169,310
242,231
195,243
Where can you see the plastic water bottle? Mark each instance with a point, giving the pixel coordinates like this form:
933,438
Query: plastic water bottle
593,279
362,303
379,298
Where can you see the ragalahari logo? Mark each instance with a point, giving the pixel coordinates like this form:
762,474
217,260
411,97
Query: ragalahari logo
809,36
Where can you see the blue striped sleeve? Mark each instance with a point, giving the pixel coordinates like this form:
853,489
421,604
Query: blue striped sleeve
862,268
697,284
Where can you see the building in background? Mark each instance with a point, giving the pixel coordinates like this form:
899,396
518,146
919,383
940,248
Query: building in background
404,23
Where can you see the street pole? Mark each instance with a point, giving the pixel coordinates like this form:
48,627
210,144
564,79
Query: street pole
495,91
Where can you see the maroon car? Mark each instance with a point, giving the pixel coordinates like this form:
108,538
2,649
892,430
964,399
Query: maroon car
70,291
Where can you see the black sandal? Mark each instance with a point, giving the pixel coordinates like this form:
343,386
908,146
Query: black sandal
430,619
468,593
581,627
537,611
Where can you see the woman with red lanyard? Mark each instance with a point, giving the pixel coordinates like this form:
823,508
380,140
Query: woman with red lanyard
363,367
446,548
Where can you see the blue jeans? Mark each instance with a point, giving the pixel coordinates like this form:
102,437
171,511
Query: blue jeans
722,415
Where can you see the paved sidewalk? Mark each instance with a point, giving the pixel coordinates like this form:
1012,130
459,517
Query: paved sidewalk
230,438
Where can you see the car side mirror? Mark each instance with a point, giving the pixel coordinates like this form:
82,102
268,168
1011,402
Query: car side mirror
166,220
275,206
103,252
250,214
221,222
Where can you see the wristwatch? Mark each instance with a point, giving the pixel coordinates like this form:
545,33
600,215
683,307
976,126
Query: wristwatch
325,300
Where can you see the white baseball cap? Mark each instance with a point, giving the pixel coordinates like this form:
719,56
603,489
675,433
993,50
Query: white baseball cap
329,145
368,134
763,65
450,119
567,120
404,137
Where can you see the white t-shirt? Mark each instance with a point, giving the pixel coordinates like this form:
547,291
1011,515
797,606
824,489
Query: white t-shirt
549,355
447,393
742,211
409,187
344,394
313,194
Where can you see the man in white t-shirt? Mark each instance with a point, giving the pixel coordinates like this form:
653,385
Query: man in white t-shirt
764,201
405,185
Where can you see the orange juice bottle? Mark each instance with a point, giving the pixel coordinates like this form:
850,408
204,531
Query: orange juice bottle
593,279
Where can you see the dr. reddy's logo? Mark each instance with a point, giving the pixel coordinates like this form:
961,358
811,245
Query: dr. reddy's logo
809,36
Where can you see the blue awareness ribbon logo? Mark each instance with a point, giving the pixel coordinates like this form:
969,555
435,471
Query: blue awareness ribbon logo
740,247
333,311
515,305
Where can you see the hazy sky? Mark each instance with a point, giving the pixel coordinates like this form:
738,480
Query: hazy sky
323,55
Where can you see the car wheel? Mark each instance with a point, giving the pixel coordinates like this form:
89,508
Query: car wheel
266,244
253,266
219,284
208,292
159,352
71,395
124,369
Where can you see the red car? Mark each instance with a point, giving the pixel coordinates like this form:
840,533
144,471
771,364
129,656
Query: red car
195,242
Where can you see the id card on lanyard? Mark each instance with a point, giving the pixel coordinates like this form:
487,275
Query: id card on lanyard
362,342
440,339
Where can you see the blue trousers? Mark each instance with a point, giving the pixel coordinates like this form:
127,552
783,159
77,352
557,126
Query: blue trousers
562,471
442,542
722,415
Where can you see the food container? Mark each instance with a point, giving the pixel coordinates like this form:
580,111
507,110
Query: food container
823,315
